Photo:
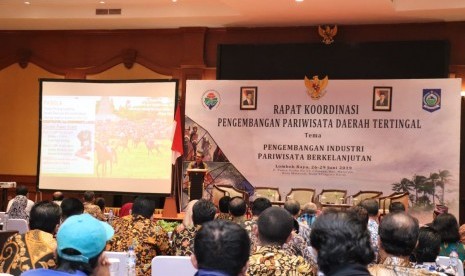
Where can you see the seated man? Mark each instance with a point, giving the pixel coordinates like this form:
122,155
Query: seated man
20,206
274,228
90,207
258,206
35,248
237,209
398,233
202,211
138,230
70,207
221,249
342,242
81,240
223,205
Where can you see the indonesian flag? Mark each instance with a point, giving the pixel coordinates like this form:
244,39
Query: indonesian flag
177,146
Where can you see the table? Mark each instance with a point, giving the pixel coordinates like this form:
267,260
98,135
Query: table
179,217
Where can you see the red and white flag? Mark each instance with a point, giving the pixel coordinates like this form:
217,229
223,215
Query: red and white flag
177,146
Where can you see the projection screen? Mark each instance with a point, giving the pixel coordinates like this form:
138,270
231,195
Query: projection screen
106,135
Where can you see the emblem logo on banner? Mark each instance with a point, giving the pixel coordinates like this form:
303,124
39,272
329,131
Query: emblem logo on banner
431,99
211,99
316,87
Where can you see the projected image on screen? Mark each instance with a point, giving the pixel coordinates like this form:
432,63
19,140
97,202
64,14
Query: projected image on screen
106,136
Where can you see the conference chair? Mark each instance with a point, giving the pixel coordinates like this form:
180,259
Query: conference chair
173,266
271,193
332,196
445,261
301,195
217,194
384,202
118,268
362,195
233,191
19,225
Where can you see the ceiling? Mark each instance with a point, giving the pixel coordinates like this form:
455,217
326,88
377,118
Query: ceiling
160,14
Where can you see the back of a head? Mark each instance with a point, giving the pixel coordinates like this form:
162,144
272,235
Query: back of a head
203,211
340,238
309,208
259,205
222,245
237,207
45,216
89,196
292,206
371,205
274,226
360,213
21,190
71,206
143,206
398,233
100,202
396,207
223,204
58,196
428,246
448,228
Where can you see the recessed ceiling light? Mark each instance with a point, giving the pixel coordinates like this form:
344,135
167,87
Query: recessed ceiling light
299,0
27,3
174,1
102,2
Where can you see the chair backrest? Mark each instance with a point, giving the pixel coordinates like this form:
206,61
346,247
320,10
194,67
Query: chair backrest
332,196
362,195
302,195
270,193
384,202
121,265
444,261
172,265
19,225
233,192
217,194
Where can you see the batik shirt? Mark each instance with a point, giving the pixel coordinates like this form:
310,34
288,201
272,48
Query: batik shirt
148,239
183,241
248,225
224,216
272,260
397,266
94,211
34,249
373,229
297,246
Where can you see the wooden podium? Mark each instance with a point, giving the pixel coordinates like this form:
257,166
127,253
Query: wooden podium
196,177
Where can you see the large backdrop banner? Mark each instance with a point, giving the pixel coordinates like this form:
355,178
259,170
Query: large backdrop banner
380,135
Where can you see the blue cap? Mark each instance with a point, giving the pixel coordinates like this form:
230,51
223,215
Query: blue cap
85,234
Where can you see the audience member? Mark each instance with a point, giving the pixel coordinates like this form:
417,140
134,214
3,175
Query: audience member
427,249
202,211
398,233
20,206
81,240
100,202
448,228
342,242
359,213
58,197
462,233
372,207
274,228
139,231
258,206
70,207
300,236
221,249
35,248
90,207
237,209
223,206
308,214
396,207
125,209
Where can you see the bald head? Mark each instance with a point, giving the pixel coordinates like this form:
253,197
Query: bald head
58,196
398,233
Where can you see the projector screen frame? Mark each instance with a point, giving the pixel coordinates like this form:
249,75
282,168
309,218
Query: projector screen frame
174,101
